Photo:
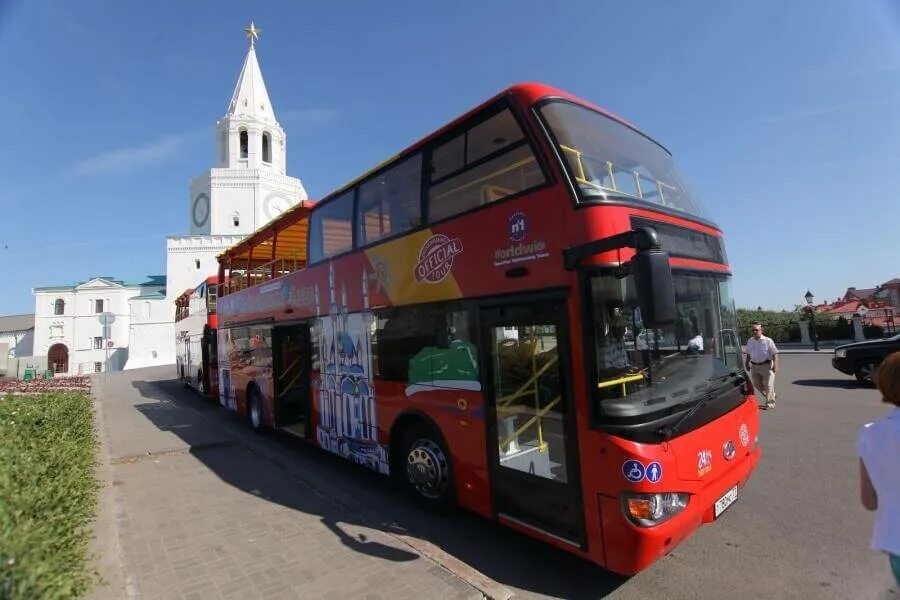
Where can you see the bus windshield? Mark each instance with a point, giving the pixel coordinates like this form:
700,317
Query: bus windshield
640,370
609,160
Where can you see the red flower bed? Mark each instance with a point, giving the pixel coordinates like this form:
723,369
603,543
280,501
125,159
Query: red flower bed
40,386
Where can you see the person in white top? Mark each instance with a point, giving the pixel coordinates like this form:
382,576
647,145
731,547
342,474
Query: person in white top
696,342
762,363
878,446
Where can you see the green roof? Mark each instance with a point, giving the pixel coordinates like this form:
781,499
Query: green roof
149,281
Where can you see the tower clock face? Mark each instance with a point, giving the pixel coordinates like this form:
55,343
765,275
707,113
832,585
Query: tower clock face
200,211
274,206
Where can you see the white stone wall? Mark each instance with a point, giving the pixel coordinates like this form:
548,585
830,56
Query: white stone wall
152,333
19,343
182,252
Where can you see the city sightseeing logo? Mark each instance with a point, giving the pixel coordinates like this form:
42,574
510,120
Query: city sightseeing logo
518,226
519,250
436,258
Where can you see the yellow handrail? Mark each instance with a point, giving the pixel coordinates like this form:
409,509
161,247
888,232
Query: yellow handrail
620,381
539,415
626,379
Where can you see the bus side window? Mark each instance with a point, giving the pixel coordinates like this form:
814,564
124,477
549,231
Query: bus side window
491,161
430,335
330,228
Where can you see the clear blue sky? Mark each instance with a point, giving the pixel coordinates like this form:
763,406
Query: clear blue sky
785,116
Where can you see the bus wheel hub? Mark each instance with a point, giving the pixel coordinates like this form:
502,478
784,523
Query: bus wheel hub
427,469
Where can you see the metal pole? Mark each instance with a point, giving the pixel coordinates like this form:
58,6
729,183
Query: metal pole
815,336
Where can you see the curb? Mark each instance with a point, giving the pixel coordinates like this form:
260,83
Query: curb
115,579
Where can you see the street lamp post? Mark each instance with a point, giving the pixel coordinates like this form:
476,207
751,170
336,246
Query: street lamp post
812,318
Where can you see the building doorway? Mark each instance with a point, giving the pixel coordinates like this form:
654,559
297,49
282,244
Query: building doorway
58,358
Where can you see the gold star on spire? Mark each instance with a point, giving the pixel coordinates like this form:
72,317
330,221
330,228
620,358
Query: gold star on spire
252,33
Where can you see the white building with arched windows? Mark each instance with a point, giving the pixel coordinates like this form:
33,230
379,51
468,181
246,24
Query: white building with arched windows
68,332
245,189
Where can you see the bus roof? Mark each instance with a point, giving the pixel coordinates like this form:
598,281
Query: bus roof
292,226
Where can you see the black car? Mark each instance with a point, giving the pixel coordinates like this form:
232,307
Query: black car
862,358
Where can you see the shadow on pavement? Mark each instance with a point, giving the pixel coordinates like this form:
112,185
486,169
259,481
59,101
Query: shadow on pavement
846,384
237,467
502,554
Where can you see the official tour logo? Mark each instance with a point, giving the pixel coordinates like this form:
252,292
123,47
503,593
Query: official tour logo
436,258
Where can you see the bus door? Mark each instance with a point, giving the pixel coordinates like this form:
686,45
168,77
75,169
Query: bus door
290,371
532,446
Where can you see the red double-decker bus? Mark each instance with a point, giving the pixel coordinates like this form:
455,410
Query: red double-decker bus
526,314
196,356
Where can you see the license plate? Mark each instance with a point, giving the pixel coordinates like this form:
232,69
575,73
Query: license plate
726,501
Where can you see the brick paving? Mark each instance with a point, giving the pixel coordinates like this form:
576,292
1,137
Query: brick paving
200,513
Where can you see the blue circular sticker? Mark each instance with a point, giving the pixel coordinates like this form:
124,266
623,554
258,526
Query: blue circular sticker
633,470
654,472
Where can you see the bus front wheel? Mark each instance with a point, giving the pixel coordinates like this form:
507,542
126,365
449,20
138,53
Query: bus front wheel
428,476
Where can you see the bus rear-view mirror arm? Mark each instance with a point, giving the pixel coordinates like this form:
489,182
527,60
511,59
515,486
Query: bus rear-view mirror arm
650,267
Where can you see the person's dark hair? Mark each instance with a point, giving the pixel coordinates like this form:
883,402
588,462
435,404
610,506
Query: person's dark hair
888,379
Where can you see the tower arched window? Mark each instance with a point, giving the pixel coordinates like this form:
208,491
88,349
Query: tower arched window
59,307
267,147
244,143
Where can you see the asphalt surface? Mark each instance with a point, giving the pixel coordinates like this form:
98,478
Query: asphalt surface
797,530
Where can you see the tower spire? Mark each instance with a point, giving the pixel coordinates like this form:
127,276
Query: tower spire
252,33
250,98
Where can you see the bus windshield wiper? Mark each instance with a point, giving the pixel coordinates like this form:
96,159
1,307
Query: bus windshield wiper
669,431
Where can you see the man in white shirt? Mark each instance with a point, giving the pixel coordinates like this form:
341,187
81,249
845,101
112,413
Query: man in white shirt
762,363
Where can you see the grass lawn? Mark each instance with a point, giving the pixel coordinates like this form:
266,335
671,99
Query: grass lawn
48,494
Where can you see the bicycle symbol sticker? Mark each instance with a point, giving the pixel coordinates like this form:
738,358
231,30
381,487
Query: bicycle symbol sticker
633,470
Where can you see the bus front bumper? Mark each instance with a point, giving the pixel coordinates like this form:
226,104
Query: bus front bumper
629,548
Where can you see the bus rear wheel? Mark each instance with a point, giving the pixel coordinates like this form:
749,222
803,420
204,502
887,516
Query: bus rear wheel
428,473
255,410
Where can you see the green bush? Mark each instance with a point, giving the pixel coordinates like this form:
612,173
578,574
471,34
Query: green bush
48,495
781,326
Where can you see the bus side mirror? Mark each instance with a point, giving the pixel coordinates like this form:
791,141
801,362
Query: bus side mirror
655,291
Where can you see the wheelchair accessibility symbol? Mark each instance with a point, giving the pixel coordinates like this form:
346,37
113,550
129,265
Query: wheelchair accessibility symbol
633,470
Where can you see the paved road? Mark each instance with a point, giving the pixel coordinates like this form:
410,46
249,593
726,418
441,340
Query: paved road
797,531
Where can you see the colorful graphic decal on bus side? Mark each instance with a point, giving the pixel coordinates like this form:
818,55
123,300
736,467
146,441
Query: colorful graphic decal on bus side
436,258
395,266
348,421
519,250
226,389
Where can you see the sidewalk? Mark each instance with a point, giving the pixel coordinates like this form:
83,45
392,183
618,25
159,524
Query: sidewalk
190,509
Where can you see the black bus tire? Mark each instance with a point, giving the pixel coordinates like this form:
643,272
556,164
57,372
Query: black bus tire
427,468
255,410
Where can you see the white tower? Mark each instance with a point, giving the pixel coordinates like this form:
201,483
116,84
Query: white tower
245,190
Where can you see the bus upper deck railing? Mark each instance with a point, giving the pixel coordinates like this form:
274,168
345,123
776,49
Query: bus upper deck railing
617,179
239,280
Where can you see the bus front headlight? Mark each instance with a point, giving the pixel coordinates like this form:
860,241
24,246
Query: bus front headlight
647,510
